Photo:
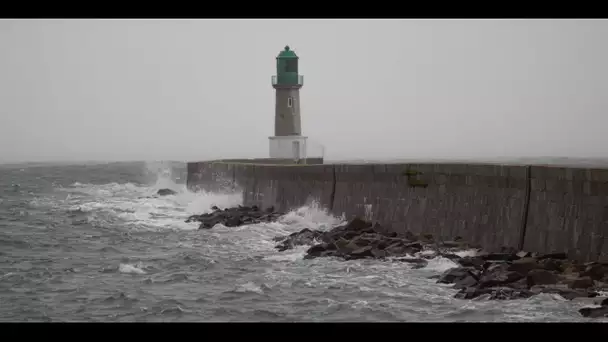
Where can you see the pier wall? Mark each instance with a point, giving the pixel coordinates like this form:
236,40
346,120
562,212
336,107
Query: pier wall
535,208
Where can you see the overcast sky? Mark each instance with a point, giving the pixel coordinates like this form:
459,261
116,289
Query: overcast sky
201,89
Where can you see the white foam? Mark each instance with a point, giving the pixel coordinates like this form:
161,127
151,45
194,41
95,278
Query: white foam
441,264
291,255
467,253
249,287
311,216
130,269
138,205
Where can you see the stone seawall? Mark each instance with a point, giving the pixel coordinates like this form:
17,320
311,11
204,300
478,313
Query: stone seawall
535,208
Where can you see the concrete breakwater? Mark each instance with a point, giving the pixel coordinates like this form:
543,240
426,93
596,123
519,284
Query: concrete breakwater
535,208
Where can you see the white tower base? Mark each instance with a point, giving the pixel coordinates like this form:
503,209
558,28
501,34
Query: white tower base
288,147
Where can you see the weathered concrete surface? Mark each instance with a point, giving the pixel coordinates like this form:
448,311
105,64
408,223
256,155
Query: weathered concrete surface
541,209
482,204
286,187
568,211
283,161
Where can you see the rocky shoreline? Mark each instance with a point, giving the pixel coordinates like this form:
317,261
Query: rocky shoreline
235,217
506,275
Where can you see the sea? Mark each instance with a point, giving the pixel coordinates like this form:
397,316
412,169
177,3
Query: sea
90,242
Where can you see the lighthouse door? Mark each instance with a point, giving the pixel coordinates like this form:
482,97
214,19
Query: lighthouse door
296,150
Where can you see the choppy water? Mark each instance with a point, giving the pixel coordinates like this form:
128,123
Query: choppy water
83,243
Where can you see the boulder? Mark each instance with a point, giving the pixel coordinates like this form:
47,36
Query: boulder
378,253
454,244
582,283
166,192
555,265
476,262
559,256
595,271
235,217
570,267
301,238
362,252
540,277
524,265
521,284
498,275
499,257
596,312
523,254
461,275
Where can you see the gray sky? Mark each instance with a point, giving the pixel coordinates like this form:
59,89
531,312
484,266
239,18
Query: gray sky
200,89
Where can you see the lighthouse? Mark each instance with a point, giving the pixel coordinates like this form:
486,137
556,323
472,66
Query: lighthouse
287,142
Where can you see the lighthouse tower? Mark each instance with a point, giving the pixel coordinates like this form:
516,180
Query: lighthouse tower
287,142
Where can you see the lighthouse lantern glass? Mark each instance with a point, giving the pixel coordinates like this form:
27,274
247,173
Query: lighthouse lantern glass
291,65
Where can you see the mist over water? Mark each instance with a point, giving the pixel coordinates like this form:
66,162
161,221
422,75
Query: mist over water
90,243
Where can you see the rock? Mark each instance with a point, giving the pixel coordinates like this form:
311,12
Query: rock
521,284
362,252
522,254
317,249
476,262
397,250
378,253
582,283
509,250
497,275
570,267
166,192
453,244
559,256
301,238
234,217
416,246
524,265
499,256
428,238
357,224
562,290
459,274
596,312
571,294
410,236
540,277
595,271
551,264
494,293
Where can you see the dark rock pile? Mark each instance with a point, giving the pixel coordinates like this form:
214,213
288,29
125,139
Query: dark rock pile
166,192
522,275
495,276
235,217
360,239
